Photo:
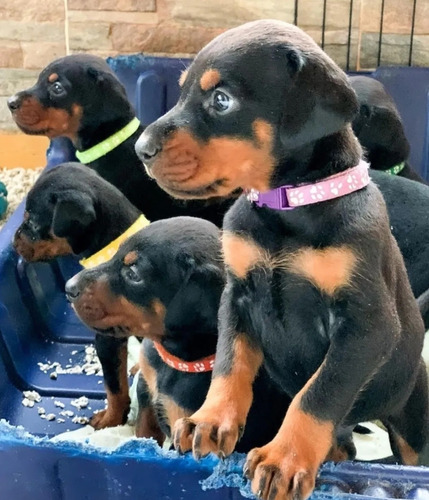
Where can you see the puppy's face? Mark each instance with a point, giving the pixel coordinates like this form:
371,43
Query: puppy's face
66,94
252,98
146,284
119,297
58,215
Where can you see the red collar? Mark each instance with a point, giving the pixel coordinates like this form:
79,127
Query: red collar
202,365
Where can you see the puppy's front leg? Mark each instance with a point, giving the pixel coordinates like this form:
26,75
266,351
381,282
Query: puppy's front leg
219,423
112,353
286,467
147,425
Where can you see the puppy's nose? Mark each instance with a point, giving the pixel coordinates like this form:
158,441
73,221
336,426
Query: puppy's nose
14,102
72,289
147,147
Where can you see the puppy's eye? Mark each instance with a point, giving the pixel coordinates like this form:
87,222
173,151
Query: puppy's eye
57,88
132,274
221,102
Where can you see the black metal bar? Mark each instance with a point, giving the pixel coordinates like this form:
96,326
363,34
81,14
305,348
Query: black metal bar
380,36
413,22
295,13
349,37
323,24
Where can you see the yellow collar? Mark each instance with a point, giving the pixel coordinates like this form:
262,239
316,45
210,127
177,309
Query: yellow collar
109,144
109,251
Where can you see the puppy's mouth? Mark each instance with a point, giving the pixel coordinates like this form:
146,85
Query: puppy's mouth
203,192
30,122
114,331
115,315
187,167
34,119
40,250
35,131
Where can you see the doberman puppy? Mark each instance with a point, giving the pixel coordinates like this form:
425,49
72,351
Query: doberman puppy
316,290
72,210
176,314
79,97
379,128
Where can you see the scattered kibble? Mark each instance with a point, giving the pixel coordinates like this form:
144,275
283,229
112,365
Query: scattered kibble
58,404
81,402
28,403
80,420
90,366
60,420
66,413
41,411
50,416
32,396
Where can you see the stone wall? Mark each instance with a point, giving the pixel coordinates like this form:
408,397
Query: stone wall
33,32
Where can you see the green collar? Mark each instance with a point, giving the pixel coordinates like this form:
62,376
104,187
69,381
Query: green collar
109,144
396,169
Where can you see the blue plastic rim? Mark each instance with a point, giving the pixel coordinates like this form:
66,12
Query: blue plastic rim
37,469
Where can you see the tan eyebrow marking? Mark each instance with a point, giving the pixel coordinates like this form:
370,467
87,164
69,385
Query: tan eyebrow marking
130,258
53,77
209,79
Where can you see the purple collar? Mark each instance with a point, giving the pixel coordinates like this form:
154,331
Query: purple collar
290,197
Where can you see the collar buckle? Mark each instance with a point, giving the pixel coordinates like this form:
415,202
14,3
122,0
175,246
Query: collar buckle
275,198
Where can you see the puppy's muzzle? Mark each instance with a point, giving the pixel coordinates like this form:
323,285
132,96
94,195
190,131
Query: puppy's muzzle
73,289
14,102
147,148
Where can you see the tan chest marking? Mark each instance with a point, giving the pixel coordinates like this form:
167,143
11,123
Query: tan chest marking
329,269
241,254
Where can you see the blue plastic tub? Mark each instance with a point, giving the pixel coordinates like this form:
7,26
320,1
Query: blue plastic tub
36,469
37,325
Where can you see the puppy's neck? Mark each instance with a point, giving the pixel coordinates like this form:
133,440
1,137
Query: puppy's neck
113,219
190,345
326,156
92,132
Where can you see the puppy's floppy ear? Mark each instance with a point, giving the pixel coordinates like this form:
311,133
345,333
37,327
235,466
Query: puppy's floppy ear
74,213
197,301
106,80
362,119
295,60
365,110
96,75
318,99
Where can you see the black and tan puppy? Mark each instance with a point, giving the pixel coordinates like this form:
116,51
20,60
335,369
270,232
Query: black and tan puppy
379,128
316,291
79,97
72,210
164,285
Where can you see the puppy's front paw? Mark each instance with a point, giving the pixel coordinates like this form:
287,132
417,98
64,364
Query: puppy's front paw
108,418
279,473
206,434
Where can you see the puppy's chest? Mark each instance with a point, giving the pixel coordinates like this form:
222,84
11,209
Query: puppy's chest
329,268
293,301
